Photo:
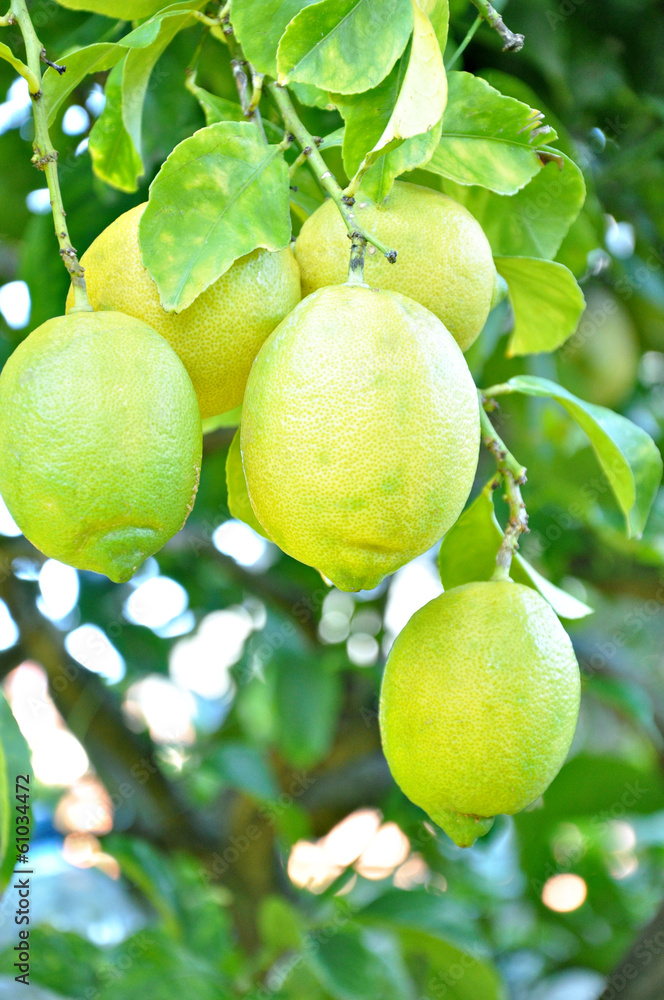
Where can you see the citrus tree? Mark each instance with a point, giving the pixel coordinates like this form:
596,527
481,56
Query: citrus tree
369,309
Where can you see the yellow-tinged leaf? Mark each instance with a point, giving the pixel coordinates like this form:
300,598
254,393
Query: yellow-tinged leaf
423,95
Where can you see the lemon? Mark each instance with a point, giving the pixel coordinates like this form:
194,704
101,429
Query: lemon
360,433
479,704
599,363
100,441
218,335
444,259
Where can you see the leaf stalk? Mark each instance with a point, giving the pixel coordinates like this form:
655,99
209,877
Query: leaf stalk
461,48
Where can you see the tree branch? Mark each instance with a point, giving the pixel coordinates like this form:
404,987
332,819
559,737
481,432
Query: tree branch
45,156
513,476
511,42
640,973
127,762
249,101
321,172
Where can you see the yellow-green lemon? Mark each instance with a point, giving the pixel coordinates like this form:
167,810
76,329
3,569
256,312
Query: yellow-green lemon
360,433
479,704
218,336
100,441
444,259
599,363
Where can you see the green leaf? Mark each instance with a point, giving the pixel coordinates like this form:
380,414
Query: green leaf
598,786
629,700
334,139
115,158
219,109
220,194
231,418
348,969
409,102
143,865
14,760
479,978
378,180
8,56
160,961
487,139
584,237
281,925
533,222
96,58
366,116
346,46
438,12
425,924
150,31
115,8
306,194
546,300
216,109
311,96
308,696
146,45
468,553
259,26
58,960
416,909
239,503
101,56
115,140
242,766
628,456
423,92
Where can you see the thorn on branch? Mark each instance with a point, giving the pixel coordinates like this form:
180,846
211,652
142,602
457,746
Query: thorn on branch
58,69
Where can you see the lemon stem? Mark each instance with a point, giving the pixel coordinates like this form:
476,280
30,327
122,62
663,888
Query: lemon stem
512,42
320,169
513,476
45,156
